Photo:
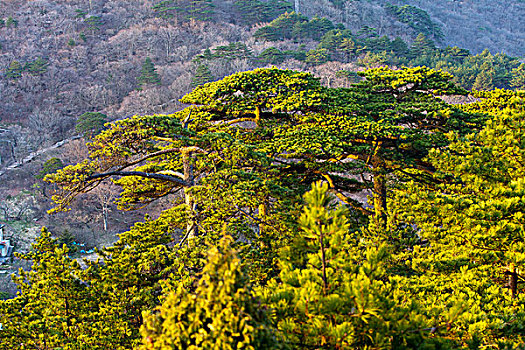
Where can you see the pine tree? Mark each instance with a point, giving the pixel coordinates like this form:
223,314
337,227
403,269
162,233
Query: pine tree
90,124
202,75
240,157
271,55
67,238
333,292
469,220
200,9
386,124
53,308
387,100
479,207
50,166
148,74
260,12
127,280
484,81
11,22
185,9
349,47
518,80
37,67
282,27
14,70
318,56
221,313
152,156
421,46
399,46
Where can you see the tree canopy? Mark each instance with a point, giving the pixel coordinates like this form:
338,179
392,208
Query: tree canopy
278,164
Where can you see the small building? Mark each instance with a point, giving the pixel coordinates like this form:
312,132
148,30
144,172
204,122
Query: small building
6,249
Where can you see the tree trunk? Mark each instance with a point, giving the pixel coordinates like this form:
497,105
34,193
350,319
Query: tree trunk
191,227
323,261
513,281
263,210
258,115
380,194
105,210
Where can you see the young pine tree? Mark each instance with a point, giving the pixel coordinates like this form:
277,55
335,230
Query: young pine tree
421,46
333,292
90,124
53,308
202,75
222,312
148,74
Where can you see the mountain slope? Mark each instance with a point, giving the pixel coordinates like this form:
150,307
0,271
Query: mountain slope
475,25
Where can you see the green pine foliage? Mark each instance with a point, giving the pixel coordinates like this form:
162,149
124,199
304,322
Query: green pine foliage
53,306
433,261
90,124
341,45
14,70
184,9
417,19
67,238
333,291
518,77
236,50
481,72
255,11
11,22
471,216
271,55
202,75
50,166
482,191
421,47
317,56
224,54
148,74
37,67
294,26
93,23
222,311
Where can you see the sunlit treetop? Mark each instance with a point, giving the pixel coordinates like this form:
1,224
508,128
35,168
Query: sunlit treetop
386,122
404,81
476,203
495,101
250,93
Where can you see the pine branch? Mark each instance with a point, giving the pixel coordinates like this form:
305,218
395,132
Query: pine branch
155,176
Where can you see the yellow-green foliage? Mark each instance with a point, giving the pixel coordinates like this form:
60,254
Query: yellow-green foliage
221,313
54,308
472,218
431,271
333,291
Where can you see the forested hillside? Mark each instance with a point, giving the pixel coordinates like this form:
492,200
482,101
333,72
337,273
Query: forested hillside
473,25
60,59
479,25
262,174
